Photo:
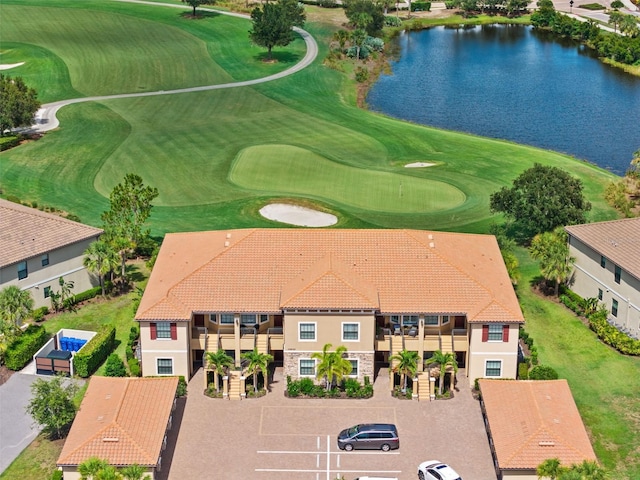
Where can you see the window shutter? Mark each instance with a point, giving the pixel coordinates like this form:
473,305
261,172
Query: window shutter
154,331
505,333
485,333
174,331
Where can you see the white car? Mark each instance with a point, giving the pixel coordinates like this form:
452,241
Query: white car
435,470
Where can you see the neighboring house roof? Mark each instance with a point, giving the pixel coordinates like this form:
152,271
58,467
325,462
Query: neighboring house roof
121,420
270,270
27,232
533,420
617,240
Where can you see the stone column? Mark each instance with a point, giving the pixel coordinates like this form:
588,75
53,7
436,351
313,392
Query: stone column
236,331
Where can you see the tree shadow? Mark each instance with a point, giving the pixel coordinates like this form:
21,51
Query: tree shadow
134,274
278,57
200,15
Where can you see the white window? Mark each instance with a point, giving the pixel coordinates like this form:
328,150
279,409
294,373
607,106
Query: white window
45,259
445,319
409,320
493,368
354,367
213,318
307,367
395,318
495,332
248,319
307,331
165,366
226,319
350,332
264,318
431,320
163,330
22,270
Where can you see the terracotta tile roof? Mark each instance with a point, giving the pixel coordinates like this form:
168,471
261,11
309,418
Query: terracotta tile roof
533,420
617,240
122,420
27,232
267,270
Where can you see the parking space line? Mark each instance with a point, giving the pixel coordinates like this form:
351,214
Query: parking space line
314,452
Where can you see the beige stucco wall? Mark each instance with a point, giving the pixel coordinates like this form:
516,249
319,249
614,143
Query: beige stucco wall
329,330
65,262
480,352
589,276
71,473
177,350
519,475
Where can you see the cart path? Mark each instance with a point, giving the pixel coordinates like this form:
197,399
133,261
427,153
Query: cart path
46,118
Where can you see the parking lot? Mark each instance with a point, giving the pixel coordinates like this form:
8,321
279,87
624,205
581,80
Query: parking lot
275,437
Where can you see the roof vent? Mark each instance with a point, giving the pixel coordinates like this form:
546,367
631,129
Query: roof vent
432,245
430,237
226,244
110,439
547,443
228,235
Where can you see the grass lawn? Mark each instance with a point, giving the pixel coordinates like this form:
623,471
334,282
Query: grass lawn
191,146
36,462
604,383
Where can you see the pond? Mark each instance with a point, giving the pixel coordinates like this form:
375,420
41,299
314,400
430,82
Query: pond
513,82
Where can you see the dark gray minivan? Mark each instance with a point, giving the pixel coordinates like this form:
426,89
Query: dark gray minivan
369,436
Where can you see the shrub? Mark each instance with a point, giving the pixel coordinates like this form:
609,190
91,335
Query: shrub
534,355
352,387
134,367
374,43
57,475
362,75
523,371
352,51
451,5
39,313
84,296
22,349
612,336
592,6
293,388
318,391
87,360
115,366
328,4
182,387
390,21
9,142
421,6
543,372
306,386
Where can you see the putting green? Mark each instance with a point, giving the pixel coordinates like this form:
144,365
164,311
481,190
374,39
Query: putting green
290,170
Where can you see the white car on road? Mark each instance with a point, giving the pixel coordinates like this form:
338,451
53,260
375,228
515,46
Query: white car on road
435,470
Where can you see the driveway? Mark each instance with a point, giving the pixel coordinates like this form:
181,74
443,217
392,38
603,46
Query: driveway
16,425
275,437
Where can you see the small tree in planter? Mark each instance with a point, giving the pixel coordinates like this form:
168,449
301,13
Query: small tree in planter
406,363
445,361
218,362
333,367
258,362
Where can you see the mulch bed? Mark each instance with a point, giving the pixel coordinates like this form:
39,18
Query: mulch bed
5,373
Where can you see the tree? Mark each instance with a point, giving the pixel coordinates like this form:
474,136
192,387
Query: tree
373,15
341,36
617,4
195,4
60,299
541,199
15,306
258,362
405,363
52,406
543,372
218,362
629,26
115,366
358,37
615,18
444,361
101,259
332,366
273,24
91,467
552,251
134,472
130,207
550,468
18,104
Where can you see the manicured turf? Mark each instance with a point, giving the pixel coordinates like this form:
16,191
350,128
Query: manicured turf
291,170
604,383
185,145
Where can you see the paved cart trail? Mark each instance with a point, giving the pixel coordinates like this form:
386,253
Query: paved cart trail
46,118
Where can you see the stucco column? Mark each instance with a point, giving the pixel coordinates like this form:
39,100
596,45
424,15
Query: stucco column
236,331
205,371
225,386
421,344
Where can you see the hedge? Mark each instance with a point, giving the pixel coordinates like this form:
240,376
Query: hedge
83,296
612,336
421,6
543,372
22,349
9,142
96,351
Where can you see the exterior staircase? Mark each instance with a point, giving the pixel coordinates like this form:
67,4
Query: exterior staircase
397,344
424,386
262,343
446,344
235,385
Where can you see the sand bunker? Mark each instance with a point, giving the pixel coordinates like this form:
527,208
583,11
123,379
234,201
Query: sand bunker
296,215
7,66
419,165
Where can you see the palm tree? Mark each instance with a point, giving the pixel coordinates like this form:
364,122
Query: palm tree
341,36
552,251
15,306
91,467
445,361
101,259
108,473
587,470
358,37
550,468
333,367
258,362
615,18
134,472
218,362
406,363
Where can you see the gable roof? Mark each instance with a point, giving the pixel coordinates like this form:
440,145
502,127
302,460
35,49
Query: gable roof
121,420
27,232
617,240
268,270
533,420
